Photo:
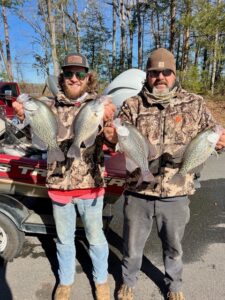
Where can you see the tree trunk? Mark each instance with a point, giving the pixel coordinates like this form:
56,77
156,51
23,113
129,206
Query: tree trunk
131,27
53,38
114,8
214,64
76,22
8,61
158,29
215,54
196,54
64,27
172,24
139,35
122,36
178,53
186,37
142,40
154,31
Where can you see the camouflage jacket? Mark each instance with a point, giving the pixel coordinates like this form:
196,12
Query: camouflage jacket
75,174
170,127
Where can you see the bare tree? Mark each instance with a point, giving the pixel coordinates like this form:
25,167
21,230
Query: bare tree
172,24
64,27
131,18
122,35
186,36
215,54
52,37
139,21
8,59
114,12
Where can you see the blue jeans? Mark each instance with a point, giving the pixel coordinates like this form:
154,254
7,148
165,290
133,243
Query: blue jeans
90,211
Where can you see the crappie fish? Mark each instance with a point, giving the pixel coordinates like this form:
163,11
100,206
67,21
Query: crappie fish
136,148
86,125
44,126
196,153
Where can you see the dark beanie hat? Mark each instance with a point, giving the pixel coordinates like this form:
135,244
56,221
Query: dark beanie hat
161,59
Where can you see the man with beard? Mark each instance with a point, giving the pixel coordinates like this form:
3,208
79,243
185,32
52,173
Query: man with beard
169,117
78,185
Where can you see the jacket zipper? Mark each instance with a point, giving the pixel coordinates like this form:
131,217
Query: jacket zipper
162,136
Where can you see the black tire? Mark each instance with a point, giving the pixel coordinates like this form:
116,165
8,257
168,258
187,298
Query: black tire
11,239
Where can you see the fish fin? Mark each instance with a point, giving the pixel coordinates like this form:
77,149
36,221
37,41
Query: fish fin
140,180
62,131
74,151
178,179
179,154
151,151
118,148
37,142
27,120
147,176
55,154
215,153
130,165
197,169
90,141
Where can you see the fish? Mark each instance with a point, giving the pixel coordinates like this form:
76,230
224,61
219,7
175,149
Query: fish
136,148
44,127
86,125
197,152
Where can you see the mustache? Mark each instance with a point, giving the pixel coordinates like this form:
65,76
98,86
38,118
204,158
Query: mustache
158,81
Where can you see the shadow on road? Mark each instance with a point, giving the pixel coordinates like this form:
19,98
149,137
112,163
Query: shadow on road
207,222
5,292
148,268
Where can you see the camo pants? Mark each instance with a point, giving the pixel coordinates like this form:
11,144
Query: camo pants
171,215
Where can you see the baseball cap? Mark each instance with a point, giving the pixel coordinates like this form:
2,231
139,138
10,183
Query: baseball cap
161,59
75,59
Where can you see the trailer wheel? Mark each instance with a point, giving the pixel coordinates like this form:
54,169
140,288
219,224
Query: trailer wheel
11,239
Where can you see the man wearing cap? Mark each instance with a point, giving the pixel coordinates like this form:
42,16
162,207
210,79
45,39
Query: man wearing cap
77,185
169,117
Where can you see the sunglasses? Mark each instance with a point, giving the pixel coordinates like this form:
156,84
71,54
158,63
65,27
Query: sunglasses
79,74
155,73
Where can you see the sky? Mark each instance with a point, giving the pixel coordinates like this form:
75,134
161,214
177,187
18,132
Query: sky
22,45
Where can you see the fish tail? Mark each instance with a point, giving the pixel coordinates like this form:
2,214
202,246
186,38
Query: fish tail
55,154
74,151
147,176
178,179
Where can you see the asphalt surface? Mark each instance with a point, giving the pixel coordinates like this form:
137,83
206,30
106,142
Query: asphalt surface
33,275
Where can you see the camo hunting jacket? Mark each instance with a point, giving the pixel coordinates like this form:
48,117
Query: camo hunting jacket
74,174
169,128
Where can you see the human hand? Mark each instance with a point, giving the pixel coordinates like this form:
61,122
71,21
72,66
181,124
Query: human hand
19,110
221,142
110,133
109,110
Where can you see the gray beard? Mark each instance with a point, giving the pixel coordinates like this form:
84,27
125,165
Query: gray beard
159,93
163,97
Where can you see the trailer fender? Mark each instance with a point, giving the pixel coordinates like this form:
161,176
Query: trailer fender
13,209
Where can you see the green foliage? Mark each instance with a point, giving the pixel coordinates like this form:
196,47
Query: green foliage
4,76
220,87
95,37
191,80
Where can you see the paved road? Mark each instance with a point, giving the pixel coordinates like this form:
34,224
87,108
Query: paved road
32,276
